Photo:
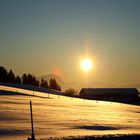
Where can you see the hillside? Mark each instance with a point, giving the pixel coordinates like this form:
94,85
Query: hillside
78,85
60,116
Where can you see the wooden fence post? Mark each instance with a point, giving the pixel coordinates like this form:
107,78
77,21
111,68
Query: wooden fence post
32,125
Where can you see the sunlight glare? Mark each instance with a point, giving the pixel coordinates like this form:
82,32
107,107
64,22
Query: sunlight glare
86,64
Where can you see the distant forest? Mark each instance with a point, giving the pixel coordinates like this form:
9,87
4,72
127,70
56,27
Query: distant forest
28,79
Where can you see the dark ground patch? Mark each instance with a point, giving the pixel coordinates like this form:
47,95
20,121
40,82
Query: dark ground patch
95,127
103,137
9,132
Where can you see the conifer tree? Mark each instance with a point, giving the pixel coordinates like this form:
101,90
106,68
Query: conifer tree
3,74
44,83
11,77
18,80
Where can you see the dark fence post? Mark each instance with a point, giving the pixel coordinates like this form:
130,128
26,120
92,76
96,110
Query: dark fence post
32,126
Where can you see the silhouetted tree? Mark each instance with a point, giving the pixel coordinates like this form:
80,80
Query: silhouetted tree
70,92
8,76
24,78
11,77
3,74
59,88
35,82
51,83
18,80
30,79
44,83
54,85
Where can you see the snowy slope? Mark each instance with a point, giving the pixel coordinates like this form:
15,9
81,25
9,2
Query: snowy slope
56,116
17,87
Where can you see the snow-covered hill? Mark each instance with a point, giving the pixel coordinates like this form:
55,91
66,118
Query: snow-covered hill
59,116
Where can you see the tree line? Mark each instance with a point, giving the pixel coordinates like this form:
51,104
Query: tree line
28,79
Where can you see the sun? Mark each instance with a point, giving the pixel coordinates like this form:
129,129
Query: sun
86,64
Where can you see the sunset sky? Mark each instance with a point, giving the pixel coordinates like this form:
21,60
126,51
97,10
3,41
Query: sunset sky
52,36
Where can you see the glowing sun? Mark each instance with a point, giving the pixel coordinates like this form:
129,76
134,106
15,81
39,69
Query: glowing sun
86,64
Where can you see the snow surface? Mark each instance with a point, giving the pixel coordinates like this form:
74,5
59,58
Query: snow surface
60,116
